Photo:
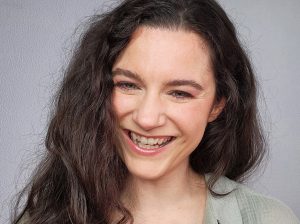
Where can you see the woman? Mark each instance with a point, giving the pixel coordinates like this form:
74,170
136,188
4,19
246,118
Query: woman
156,113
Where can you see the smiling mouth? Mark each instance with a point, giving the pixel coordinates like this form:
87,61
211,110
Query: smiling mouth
149,142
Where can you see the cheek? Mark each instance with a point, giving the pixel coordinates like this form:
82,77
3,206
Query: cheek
116,103
193,118
122,104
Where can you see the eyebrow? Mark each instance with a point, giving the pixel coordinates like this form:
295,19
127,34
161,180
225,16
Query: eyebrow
172,83
184,82
127,73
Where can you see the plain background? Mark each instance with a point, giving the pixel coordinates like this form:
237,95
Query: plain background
36,39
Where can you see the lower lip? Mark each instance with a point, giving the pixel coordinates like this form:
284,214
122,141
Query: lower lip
142,151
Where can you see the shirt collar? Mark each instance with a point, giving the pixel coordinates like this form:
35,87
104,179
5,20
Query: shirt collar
222,209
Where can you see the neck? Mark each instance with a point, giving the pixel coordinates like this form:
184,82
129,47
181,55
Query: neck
176,188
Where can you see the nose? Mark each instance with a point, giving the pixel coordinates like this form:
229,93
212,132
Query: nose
149,113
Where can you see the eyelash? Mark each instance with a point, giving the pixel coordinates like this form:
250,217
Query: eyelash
178,94
126,86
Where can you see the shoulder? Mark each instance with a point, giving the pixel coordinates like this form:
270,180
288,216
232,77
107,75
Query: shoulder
250,207
261,208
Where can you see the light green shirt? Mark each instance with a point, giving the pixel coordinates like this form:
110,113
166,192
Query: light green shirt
243,206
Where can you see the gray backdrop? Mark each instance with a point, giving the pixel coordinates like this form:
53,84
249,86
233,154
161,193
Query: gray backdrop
36,37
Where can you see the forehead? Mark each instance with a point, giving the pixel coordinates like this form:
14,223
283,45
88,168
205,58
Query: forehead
163,52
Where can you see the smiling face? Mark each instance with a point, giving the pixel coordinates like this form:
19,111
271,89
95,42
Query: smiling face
164,96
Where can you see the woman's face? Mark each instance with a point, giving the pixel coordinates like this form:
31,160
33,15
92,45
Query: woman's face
164,96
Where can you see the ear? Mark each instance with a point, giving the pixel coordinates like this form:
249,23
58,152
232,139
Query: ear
216,109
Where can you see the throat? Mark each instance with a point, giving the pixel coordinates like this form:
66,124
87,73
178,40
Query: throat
177,210
172,200
170,194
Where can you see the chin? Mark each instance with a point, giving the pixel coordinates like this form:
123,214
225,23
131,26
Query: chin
146,170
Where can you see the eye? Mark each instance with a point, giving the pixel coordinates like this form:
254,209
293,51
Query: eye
178,94
126,85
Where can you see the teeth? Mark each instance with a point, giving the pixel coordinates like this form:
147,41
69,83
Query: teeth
144,140
147,146
148,143
152,141
134,137
160,141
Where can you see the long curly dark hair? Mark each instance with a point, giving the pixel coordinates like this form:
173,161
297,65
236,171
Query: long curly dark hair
82,175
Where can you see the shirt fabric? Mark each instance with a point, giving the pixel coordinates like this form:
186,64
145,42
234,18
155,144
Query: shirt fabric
244,206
